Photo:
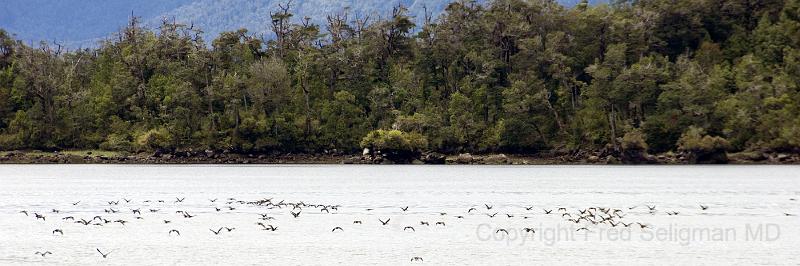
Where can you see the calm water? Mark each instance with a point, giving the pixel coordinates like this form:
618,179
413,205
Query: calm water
741,200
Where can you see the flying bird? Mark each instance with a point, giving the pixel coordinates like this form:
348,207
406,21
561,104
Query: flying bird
337,228
216,232
174,231
105,255
386,222
270,228
43,253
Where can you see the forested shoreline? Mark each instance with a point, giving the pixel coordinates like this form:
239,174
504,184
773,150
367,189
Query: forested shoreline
514,76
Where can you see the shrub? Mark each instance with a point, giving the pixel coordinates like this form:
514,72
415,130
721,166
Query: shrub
9,142
116,142
634,141
154,139
395,145
634,147
703,148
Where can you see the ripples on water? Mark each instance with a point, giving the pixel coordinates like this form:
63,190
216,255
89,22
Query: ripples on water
739,198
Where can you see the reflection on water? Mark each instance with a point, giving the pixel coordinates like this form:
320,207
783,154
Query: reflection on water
455,215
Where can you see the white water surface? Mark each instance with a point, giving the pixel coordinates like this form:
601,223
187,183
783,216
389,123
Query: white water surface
740,199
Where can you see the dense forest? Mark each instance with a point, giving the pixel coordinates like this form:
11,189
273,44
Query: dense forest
515,76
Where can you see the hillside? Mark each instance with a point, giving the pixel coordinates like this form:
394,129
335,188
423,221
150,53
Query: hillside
83,22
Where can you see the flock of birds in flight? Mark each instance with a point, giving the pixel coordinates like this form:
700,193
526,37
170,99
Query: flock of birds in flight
583,218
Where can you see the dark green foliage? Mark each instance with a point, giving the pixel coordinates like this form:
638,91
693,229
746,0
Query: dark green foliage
395,145
508,76
703,148
634,147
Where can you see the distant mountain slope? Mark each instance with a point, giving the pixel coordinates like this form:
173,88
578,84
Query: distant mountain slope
215,16
83,22
75,21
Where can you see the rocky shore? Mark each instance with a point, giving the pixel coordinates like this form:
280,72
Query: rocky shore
551,158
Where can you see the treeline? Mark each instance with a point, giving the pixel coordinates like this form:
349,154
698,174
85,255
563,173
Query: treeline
512,75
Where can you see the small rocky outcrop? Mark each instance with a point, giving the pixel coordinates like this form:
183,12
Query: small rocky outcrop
496,159
465,158
434,158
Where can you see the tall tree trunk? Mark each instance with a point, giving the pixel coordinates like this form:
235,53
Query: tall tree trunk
612,119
